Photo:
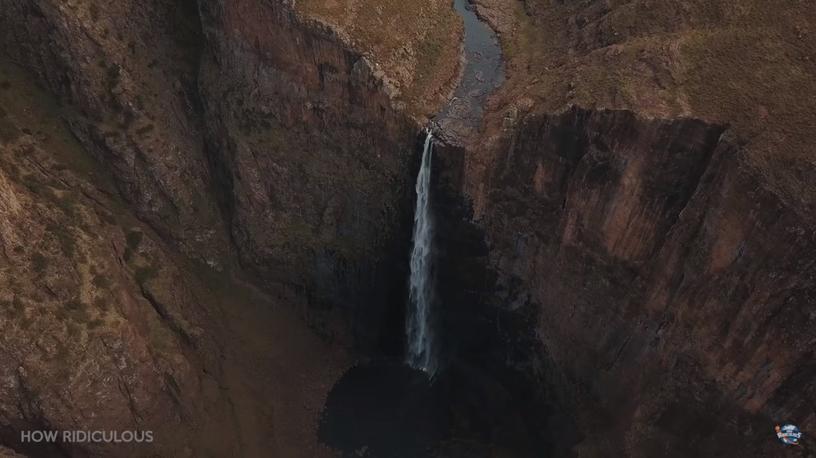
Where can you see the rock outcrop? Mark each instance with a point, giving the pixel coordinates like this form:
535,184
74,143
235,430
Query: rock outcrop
416,46
101,329
645,276
129,72
314,163
673,288
108,325
668,259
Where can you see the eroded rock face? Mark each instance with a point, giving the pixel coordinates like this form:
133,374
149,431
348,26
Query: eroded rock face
107,327
99,324
129,69
315,163
674,289
270,116
416,45
132,337
639,265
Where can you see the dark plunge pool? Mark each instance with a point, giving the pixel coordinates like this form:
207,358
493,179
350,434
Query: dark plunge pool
484,400
384,409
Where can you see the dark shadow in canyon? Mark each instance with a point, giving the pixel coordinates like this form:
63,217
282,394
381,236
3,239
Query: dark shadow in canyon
384,408
494,392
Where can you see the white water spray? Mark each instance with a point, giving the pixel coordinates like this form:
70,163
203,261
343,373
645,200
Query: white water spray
418,323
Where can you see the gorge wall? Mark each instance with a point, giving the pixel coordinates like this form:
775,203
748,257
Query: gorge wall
127,72
672,289
258,134
626,285
243,140
315,164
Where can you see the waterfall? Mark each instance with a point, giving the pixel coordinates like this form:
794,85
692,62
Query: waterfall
420,351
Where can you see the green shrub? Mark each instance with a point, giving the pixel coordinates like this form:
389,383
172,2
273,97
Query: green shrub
142,131
74,304
17,307
101,282
64,238
39,263
78,310
33,184
134,238
144,274
101,303
94,10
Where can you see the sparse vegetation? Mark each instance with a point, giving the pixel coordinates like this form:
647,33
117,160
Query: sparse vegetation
100,281
67,203
32,106
143,274
746,64
74,304
106,217
93,9
144,130
64,238
8,131
33,184
416,43
26,322
133,239
17,307
39,262
73,329
101,302
78,310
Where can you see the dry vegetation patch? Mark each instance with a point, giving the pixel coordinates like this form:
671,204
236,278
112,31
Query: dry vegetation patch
749,64
416,44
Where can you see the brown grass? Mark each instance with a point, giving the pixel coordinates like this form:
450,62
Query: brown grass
749,64
416,43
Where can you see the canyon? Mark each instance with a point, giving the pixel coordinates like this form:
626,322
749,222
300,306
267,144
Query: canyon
206,211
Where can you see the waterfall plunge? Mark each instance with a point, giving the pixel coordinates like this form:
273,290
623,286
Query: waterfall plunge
420,353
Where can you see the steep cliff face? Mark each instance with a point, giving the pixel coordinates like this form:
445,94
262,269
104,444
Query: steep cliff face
650,280
310,165
670,265
128,70
273,117
107,327
417,45
673,288
315,162
748,65
93,337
